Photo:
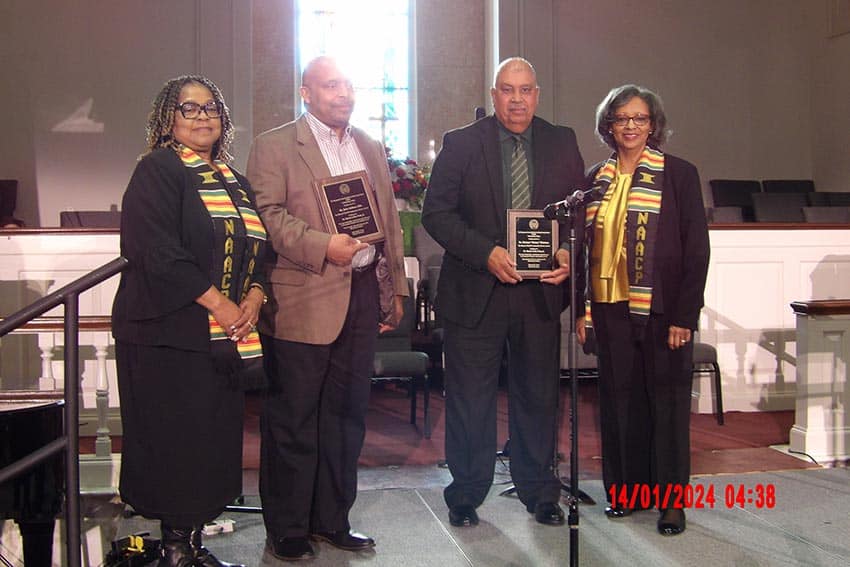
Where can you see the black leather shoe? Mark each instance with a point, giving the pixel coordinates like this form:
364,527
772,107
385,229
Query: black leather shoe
463,516
203,557
176,548
617,512
548,513
291,548
176,555
346,540
671,521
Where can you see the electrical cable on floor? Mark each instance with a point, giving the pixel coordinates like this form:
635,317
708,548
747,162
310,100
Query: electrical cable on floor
792,451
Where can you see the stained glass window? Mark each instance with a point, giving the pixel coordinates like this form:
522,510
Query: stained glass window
371,41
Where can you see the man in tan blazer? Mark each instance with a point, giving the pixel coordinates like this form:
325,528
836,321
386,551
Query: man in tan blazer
322,318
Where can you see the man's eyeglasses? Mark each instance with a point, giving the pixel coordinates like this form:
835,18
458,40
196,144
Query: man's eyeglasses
640,120
192,110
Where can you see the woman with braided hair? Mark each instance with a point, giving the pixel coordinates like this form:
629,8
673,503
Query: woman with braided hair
184,319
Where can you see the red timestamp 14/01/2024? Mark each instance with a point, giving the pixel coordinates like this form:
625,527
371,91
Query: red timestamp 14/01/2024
643,496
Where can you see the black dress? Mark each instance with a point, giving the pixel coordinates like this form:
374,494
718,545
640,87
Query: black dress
181,416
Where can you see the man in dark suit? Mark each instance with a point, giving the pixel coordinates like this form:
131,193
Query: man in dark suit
512,160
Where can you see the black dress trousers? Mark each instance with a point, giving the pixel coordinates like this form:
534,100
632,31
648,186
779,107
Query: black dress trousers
313,422
644,401
516,317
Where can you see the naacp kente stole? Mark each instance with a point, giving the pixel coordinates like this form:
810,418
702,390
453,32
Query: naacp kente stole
641,228
239,238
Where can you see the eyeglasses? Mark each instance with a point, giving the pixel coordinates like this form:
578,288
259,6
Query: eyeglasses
192,110
640,120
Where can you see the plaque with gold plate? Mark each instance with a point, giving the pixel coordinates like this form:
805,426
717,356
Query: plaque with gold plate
532,241
348,206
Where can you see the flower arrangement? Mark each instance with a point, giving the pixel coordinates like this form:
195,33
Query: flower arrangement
409,179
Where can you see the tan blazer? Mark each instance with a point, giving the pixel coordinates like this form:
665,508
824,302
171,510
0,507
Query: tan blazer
308,297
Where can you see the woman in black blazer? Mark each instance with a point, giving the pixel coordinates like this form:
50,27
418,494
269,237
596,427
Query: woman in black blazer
184,319
647,248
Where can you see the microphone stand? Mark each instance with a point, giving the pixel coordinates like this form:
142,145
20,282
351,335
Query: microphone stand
566,213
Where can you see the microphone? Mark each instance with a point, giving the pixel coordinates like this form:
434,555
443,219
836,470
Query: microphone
552,210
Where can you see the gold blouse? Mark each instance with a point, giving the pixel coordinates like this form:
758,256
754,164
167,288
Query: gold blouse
609,277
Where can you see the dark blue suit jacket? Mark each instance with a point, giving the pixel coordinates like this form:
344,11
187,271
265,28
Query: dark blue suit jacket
464,209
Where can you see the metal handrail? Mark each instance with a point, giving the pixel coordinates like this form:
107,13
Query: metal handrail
68,296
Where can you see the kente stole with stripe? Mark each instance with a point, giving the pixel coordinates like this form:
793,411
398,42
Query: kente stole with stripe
643,208
235,223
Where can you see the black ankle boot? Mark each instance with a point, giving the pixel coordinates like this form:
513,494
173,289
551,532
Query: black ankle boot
203,557
176,549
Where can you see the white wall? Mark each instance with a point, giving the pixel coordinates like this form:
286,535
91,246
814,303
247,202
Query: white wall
753,326
830,113
751,88
450,61
57,55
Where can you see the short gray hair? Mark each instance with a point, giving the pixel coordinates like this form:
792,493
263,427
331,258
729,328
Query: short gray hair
619,96
514,63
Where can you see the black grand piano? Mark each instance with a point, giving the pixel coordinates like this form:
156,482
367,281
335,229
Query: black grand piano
34,498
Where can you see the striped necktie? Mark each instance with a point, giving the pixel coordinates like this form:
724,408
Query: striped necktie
520,190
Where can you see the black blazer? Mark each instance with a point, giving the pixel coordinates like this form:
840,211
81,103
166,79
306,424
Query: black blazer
464,209
681,247
167,236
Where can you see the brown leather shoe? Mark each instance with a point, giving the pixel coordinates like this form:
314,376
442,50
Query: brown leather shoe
345,540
